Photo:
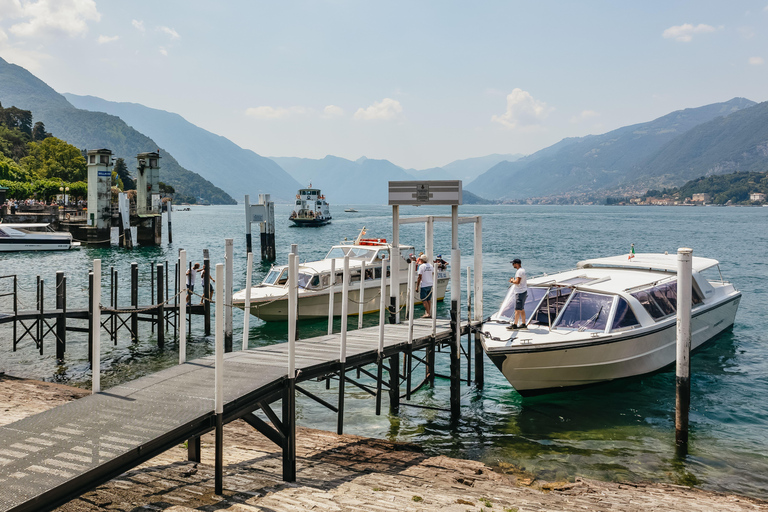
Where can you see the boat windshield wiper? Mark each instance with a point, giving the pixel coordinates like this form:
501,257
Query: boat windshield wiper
591,320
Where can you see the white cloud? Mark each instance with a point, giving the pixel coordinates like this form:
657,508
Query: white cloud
756,61
584,116
53,17
333,111
138,25
10,9
265,112
522,110
163,51
28,59
170,32
684,33
107,39
384,110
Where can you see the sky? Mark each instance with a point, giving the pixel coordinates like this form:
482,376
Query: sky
420,83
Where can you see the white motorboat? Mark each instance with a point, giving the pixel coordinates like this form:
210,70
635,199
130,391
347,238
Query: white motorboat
269,300
27,237
607,319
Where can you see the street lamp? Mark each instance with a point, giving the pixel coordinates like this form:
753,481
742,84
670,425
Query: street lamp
64,191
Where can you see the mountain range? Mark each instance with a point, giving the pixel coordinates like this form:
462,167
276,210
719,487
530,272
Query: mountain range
631,156
95,130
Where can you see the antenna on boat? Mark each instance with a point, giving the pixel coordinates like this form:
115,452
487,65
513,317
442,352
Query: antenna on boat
360,236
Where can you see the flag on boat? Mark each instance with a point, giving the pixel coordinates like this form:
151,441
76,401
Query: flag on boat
631,251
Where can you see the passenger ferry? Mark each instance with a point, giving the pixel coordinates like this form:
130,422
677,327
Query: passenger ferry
607,319
311,208
269,300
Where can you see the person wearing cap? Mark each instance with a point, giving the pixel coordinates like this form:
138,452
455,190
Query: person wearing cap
424,284
440,262
520,291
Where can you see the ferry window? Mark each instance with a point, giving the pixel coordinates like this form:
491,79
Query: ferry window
336,252
625,317
586,311
271,277
298,203
645,300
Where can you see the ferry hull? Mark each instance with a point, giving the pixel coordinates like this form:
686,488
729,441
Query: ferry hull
315,304
533,371
310,223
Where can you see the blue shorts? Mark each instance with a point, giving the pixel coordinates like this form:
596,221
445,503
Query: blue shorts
520,300
426,293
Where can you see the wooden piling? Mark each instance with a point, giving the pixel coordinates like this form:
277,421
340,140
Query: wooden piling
41,318
289,431
160,308
135,301
170,230
90,317
394,383
61,321
206,293
683,363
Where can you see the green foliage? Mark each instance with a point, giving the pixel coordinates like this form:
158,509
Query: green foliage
16,118
54,158
39,133
125,177
10,170
44,190
13,143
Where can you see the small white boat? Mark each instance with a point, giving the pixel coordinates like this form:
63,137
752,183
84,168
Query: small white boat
26,237
311,208
269,300
607,319
350,210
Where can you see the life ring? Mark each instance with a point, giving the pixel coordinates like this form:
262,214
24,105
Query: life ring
297,196
66,216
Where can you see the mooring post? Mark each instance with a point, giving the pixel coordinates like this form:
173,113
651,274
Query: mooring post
361,301
229,252
394,284
169,207
247,310
289,391
394,383
479,360
455,314
207,294
41,318
219,381
343,345
382,321
469,325
411,302
267,229
160,308
248,242
683,366
182,307
115,318
152,290
167,296
331,295
90,317
61,321
96,328
135,301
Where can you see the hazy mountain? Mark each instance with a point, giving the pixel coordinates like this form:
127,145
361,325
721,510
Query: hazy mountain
364,181
236,170
594,162
466,170
94,130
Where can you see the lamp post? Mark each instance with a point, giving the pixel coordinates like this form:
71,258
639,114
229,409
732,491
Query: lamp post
61,189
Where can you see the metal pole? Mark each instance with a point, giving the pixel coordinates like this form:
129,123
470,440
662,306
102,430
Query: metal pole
289,392
469,321
478,317
455,314
683,366
360,308
382,321
61,321
226,298
247,310
331,296
293,302
206,294
96,329
135,301
170,230
248,241
411,302
160,307
343,345
219,381
394,286
182,307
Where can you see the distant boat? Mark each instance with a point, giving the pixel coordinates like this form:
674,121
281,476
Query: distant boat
311,208
23,237
350,210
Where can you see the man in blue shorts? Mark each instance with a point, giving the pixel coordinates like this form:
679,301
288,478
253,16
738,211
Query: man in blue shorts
520,289
424,284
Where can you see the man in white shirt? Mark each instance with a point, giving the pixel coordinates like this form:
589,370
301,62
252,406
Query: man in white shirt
520,289
424,284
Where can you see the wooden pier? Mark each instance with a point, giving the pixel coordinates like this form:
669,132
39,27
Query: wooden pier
53,457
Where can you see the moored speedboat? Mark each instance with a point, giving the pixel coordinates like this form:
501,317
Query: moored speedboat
24,237
311,208
607,319
269,300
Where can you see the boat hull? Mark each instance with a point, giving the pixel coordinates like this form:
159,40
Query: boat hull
35,245
310,223
315,304
538,370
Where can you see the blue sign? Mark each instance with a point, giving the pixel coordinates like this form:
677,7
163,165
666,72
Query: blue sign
105,173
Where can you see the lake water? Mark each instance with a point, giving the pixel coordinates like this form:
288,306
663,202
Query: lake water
617,431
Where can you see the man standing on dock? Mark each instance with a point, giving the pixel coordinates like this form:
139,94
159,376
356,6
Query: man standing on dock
520,291
424,284
191,274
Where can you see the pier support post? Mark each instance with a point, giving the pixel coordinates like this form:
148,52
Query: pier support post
289,391
229,251
247,309
219,381
160,308
206,293
96,328
394,383
331,295
382,322
343,345
182,306
455,315
193,449
61,321
248,240
394,283
267,229
683,366
134,301
170,231
90,317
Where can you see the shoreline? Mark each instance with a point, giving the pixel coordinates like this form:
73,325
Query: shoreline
345,473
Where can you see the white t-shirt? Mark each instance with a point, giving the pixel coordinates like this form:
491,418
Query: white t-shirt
425,271
191,274
523,286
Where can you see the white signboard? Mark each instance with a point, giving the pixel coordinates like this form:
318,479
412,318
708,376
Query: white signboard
434,192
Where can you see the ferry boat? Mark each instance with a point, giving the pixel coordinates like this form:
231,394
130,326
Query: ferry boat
311,208
607,319
27,237
269,300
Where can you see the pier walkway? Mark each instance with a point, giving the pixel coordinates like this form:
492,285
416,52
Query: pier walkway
55,456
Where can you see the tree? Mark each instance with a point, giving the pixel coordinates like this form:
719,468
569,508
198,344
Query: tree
14,117
54,158
122,173
39,133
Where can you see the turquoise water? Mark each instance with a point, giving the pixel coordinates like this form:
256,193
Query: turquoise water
617,431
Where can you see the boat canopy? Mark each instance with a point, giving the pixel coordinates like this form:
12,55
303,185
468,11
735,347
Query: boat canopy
645,261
